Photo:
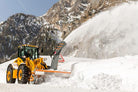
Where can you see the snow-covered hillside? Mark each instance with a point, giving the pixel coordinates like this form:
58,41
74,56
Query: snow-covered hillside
88,75
109,34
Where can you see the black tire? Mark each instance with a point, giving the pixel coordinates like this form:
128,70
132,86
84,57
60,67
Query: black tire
24,76
9,74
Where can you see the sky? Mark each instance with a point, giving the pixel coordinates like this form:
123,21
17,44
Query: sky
33,7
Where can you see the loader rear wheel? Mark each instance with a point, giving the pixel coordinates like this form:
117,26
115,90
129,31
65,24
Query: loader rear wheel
9,74
23,74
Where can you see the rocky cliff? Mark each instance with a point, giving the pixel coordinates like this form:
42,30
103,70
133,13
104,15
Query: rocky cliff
67,15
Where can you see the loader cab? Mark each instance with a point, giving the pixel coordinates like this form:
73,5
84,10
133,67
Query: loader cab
30,51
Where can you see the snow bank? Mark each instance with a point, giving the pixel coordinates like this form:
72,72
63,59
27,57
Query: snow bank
109,34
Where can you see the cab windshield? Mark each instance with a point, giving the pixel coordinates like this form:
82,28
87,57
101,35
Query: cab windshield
31,52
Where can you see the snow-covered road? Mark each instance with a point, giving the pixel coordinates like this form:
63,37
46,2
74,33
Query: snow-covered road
38,88
41,88
88,75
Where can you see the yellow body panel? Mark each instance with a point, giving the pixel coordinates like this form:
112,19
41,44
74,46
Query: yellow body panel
31,64
18,61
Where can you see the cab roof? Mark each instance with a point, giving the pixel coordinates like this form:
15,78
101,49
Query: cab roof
27,45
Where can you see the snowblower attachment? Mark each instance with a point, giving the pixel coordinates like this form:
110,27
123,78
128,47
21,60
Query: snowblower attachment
55,58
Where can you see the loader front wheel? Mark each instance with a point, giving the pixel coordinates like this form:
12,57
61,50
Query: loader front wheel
23,74
9,74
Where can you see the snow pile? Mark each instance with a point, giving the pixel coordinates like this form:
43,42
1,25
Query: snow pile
112,74
105,82
109,34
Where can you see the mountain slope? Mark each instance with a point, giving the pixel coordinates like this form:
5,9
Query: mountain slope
18,29
67,15
109,34
25,29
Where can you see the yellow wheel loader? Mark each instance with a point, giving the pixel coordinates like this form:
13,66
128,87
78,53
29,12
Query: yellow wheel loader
24,68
